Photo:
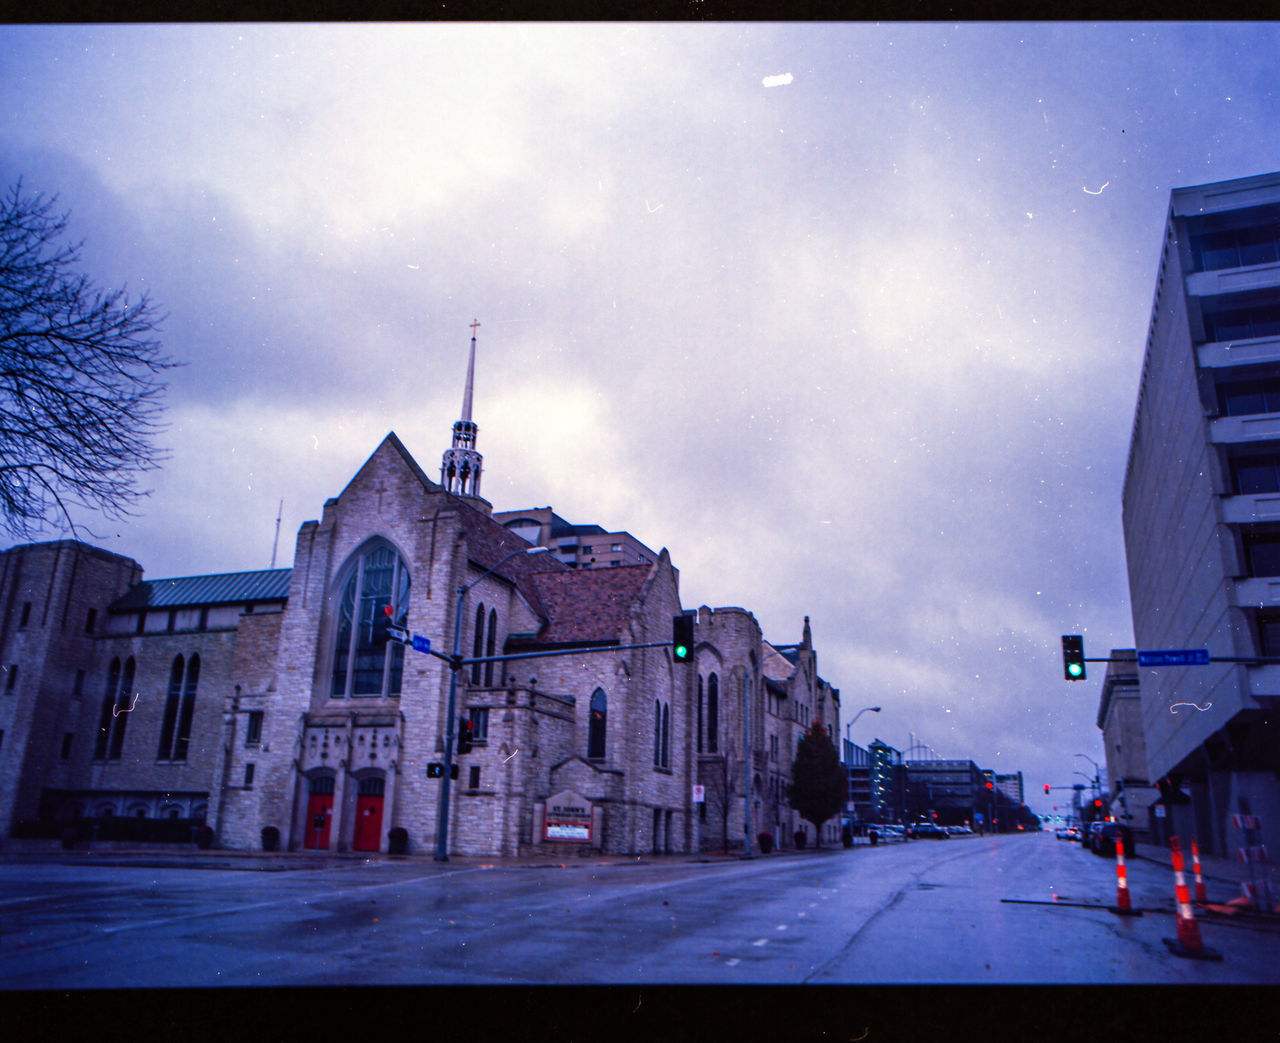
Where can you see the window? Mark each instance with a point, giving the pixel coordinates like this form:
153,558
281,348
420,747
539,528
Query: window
248,773
615,547
117,702
179,709
480,725
1231,324
67,739
90,620
666,735
365,663
473,777
1263,554
657,732
479,644
490,646
11,677
77,689
1235,248
1256,474
26,614
596,724
713,714
699,713
1269,634
1250,397
253,729
372,786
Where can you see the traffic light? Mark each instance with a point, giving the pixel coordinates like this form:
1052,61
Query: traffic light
386,629
465,734
1046,789
682,637
990,784
1073,657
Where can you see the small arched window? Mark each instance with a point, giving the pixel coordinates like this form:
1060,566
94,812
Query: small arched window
657,732
699,713
171,704
596,724
490,647
365,662
713,714
117,701
666,735
479,644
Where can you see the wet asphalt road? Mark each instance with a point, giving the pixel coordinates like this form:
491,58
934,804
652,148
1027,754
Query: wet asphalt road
966,910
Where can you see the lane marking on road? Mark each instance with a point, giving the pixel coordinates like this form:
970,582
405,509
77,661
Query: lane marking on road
781,927
733,961
761,941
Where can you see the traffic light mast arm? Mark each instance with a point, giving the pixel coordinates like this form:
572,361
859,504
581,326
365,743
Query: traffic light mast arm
460,662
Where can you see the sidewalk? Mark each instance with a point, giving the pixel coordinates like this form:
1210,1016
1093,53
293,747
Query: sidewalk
1224,879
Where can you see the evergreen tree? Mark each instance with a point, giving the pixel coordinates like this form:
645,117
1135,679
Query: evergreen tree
818,782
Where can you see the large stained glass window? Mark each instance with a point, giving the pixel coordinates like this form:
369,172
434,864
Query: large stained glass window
365,662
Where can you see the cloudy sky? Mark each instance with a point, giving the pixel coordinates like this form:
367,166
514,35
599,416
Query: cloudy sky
849,318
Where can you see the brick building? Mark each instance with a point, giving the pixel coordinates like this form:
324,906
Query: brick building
275,700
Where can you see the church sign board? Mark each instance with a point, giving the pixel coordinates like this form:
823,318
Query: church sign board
568,818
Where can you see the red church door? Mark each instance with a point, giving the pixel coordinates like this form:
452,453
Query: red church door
368,836
319,814
319,819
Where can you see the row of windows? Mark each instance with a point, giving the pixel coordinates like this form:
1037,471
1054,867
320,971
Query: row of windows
1236,248
1232,324
1250,398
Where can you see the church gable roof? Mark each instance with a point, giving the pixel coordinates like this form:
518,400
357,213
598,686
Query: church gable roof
393,445
588,605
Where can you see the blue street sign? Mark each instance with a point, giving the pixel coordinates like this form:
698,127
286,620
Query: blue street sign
1174,657
421,644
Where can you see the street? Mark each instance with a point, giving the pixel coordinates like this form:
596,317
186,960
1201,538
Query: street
965,910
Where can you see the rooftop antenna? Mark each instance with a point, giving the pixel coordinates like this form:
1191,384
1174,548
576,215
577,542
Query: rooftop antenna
276,544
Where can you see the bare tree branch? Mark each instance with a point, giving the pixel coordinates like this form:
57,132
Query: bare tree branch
80,379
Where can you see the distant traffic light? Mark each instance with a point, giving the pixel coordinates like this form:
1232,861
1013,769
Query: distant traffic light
682,637
991,785
1046,789
1073,657
465,734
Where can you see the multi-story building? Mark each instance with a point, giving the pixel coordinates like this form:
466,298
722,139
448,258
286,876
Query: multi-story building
877,782
1201,506
578,546
1129,792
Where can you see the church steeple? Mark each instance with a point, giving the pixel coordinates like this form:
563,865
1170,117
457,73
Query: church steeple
461,465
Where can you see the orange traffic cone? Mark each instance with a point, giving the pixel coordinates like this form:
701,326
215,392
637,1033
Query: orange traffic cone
1188,942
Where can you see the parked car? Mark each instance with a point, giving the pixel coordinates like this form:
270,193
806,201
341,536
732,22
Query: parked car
929,831
1104,840
1062,833
1086,838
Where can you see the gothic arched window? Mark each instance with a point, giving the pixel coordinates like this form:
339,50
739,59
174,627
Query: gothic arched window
699,713
479,644
491,646
713,714
596,724
116,704
666,735
365,662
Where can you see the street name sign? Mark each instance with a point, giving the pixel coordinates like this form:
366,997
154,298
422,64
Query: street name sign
1174,657
421,644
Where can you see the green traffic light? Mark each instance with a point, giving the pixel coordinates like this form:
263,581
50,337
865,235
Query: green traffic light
682,652
1076,669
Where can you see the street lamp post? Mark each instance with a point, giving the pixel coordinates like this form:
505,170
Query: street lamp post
865,709
455,664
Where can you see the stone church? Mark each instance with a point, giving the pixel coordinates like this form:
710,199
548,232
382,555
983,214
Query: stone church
280,704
